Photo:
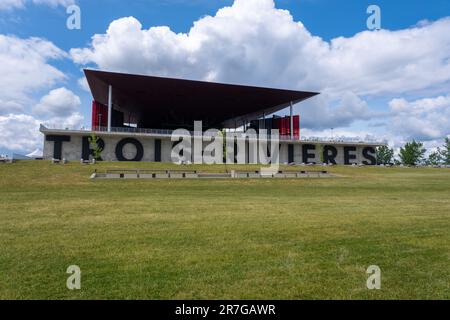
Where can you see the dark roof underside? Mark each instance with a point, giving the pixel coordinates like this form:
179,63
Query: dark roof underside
164,100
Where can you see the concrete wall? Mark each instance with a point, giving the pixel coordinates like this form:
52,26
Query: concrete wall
72,150
298,153
284,153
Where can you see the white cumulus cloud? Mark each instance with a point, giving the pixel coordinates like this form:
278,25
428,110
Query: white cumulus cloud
10,106
11,4
25,67
423,119
334,110
15,4
253,42
26,71
58,102
54,3
83,84
19,132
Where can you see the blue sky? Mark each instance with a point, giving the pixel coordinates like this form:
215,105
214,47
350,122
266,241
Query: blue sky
326,19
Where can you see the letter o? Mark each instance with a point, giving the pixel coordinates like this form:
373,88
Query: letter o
136,143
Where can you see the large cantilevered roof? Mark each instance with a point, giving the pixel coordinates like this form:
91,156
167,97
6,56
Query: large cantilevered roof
157,100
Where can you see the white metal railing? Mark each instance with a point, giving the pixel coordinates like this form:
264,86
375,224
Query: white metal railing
168,132
113,129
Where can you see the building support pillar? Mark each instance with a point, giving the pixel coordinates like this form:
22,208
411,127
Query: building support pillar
291,121
264,121
109,107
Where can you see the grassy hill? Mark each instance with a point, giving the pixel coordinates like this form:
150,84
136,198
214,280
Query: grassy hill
223,239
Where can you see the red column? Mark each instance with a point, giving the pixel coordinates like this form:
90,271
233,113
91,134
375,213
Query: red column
297,127
99,115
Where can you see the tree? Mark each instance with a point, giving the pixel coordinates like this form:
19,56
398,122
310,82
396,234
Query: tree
319,148
96,149
445,152
434,159
384,155
412,153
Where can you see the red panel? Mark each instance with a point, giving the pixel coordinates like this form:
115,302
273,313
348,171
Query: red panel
283,128
99,115
287,122
288,126
94,115
297,127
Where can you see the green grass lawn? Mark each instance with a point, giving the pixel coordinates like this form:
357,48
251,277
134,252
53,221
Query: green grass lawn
223,239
